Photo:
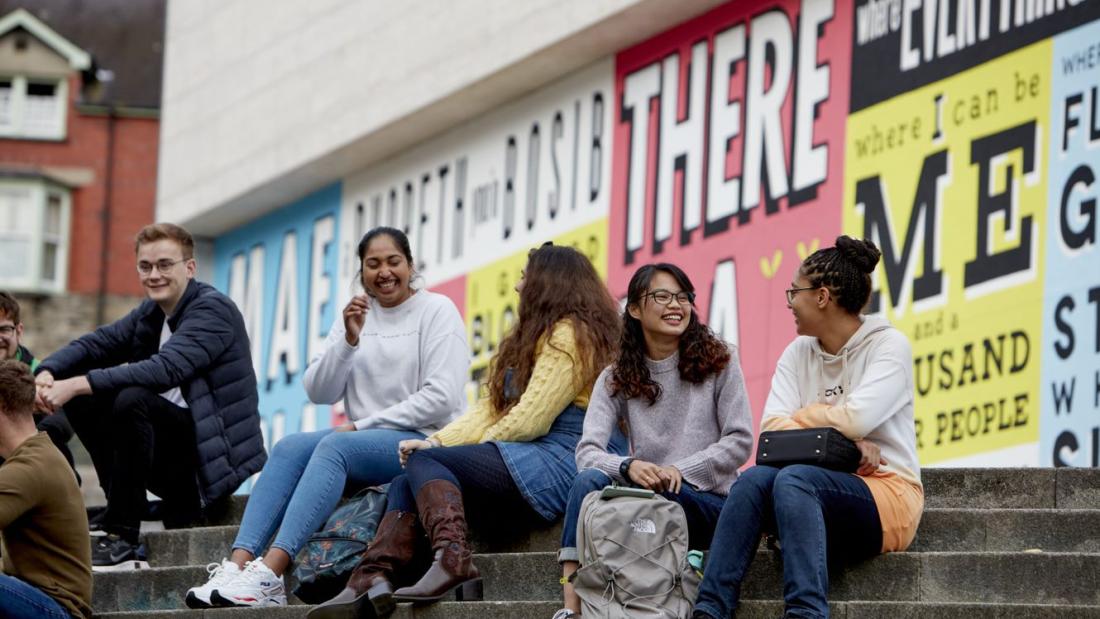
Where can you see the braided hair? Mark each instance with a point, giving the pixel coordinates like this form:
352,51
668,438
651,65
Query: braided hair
845,270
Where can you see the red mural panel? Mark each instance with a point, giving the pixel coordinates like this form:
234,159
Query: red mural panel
456,290
728,161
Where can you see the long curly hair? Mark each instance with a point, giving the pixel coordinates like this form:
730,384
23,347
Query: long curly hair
559,284
702,353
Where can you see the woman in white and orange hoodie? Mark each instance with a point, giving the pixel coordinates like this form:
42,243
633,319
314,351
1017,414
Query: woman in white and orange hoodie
850,372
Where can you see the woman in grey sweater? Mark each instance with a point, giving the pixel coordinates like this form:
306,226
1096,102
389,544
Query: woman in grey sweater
679,391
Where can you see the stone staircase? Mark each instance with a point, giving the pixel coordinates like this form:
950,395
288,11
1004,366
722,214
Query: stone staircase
993,543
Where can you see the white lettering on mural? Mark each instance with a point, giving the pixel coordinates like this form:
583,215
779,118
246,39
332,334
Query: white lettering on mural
723,192
640,87
681,142
524,173
768,170
763,128
940,35
810,165
876,19
246,289
722,316
320,284
285,329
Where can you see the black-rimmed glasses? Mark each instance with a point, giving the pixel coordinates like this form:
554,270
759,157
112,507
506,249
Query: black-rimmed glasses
664,297
791,292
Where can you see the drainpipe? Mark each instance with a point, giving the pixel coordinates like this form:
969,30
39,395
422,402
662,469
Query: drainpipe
105,219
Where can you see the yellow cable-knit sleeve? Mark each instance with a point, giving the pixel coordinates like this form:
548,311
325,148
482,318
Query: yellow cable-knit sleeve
555,383
467,429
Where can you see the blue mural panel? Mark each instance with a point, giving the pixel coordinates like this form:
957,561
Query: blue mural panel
1071,304
281,271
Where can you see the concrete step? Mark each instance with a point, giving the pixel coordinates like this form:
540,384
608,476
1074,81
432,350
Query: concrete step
750,609
1032,488
959,530
950,577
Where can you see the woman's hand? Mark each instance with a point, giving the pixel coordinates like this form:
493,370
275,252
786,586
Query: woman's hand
407,447
871,459
347,427
654,477
355,313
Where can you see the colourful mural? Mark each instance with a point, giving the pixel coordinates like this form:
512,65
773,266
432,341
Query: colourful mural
962,137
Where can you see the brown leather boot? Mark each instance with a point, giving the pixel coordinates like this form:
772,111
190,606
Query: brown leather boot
369,592
441,512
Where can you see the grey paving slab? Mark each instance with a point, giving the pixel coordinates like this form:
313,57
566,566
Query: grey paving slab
1020,577
989,488
1078,488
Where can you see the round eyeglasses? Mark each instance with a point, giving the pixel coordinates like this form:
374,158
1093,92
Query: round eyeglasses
162,266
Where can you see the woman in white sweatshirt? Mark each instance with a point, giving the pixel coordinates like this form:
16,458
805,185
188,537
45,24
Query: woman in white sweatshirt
398,359
850,372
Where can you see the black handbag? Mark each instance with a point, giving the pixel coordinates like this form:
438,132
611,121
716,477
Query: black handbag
824,447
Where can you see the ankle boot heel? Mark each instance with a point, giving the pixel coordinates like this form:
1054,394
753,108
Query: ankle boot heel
470,591
380,598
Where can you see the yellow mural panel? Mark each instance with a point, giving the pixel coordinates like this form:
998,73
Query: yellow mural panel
949,181
491,298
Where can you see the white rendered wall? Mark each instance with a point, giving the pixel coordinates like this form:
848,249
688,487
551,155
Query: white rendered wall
266,100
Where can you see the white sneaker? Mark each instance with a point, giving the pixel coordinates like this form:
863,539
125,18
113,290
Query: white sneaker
256,585
221,574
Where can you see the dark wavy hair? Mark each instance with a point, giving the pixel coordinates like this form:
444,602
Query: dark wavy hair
702,353
845,269
559,284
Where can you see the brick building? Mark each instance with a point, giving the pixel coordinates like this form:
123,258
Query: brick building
79,121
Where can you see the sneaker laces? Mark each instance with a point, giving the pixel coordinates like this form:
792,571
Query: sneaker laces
218,573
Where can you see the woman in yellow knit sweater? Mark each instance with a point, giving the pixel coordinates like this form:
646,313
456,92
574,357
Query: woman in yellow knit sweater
511,453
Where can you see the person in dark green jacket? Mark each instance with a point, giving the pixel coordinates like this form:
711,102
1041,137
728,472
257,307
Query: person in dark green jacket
11,347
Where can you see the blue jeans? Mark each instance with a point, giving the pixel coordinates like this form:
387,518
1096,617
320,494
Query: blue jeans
21,600
818,514
545,467
700,508
304,479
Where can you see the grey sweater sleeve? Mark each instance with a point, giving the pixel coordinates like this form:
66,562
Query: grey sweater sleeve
715,468
599,423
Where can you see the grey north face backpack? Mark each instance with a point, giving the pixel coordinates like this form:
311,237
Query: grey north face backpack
633,547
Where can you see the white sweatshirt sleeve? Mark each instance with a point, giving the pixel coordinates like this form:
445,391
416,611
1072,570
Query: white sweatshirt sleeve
785,397
445,360
326,377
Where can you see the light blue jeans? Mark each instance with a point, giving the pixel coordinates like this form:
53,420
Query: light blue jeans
304,479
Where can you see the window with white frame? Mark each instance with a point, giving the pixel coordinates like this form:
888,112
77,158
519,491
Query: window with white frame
34,235
32,108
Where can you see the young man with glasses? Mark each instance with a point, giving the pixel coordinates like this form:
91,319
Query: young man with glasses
11,347
164,399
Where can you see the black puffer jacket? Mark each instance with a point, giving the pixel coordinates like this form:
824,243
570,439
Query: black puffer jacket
207,357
